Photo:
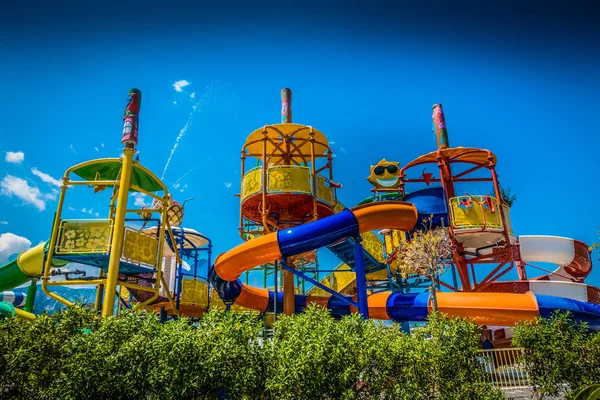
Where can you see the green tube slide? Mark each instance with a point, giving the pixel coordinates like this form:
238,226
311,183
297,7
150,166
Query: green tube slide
28,265
6,309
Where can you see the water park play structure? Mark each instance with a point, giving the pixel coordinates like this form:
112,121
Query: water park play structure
137,253
289,211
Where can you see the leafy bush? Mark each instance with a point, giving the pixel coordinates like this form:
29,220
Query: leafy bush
315,357
560,357
75,355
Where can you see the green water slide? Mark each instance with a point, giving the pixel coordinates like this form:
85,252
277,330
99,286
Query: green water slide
27,266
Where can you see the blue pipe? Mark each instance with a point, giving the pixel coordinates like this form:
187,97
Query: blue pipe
179,271
317,234
361,279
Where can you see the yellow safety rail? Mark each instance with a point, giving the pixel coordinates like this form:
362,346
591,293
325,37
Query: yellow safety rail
503,367
475,212
195,291
287,179
84,236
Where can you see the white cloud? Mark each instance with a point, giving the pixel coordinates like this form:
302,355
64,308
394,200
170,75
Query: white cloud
72,148
140,199
343,150
331,142
193,95
97,214
13,186
102,145
97,149
179,85
45,177
12,244
176,186
174,102
3,223
84,210
15,157
227,184
71,208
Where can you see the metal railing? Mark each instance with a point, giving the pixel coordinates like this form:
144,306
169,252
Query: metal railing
504,367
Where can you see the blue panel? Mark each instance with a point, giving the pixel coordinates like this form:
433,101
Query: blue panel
227,290
407,307
316,234
338,307
19,297
270,305
430,201
299,303
580,311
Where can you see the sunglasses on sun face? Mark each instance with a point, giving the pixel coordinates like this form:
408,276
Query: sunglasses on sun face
379,170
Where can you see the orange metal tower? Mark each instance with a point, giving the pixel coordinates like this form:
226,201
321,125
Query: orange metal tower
479,225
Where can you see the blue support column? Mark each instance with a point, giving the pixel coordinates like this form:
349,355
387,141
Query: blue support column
179,270
361,279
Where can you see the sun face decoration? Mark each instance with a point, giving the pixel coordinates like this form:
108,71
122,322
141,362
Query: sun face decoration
385,175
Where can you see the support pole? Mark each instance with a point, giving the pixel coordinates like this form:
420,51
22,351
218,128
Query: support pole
275,291
289,306
439,127
31,296
116,246
179,270
361,279
129,139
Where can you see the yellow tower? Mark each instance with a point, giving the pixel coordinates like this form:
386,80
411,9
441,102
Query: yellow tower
289,182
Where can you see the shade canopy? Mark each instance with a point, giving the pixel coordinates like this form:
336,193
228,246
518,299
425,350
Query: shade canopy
293,139
108,169
469,155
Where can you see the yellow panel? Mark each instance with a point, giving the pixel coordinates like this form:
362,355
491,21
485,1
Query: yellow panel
139,247
395,240
195,291
373,245
251,183
324,190
217,303
475,216
378,276
81,236
337,281
289,179
507,220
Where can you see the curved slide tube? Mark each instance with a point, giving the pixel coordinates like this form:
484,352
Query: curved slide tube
9,310
17,299
572,256
27,266
485,308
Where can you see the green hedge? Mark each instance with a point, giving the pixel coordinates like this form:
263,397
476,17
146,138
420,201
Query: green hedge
73,355
560,357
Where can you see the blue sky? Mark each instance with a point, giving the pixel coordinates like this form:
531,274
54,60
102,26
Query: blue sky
523,85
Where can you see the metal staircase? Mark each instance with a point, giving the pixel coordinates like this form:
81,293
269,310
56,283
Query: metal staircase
344,250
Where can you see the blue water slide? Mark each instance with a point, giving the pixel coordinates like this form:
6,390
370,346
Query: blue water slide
429,202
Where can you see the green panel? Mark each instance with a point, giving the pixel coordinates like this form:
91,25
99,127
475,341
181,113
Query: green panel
11,276
109,171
